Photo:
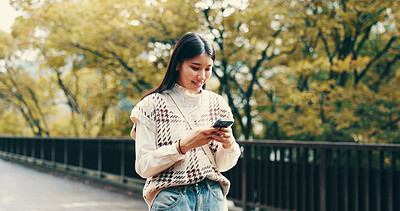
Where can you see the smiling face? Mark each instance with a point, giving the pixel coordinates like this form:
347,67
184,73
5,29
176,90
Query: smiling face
194,72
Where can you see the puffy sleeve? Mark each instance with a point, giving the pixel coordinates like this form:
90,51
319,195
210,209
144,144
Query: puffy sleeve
225,110
150,160
226,158
144,112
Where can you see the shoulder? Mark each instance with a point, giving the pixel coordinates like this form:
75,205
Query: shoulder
152,99
221,104
212,94
214,97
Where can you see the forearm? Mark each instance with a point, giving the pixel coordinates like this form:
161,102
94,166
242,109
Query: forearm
151,160
227,158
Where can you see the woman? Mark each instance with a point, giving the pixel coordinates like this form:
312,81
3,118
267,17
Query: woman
173,132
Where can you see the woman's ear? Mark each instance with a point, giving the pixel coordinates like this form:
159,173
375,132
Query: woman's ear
178,66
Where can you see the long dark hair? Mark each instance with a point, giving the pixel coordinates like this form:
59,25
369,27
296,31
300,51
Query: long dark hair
190,45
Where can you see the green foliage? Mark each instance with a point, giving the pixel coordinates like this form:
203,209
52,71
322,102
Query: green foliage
13,123
305,70
342,84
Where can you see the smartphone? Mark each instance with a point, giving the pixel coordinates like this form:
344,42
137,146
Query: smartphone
223,123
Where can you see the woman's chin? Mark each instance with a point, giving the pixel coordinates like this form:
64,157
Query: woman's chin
195,90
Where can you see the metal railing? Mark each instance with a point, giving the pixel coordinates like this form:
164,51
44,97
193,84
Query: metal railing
98,157
308,176
270,175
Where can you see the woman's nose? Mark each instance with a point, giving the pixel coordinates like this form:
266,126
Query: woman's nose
201,75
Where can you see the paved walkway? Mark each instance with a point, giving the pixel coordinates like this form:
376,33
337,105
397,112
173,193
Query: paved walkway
25,189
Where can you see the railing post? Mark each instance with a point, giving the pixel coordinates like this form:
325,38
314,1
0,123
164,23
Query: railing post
7,147
322,179
346,173
390,181
33,152
313,185
304,169
42,150
274,176
392,197
244,179
280,185
1,148
367,182
12,147
53,152
357,174
99,159
296,198
66,154
289,180
17,147
24,150
379,185
81,156
122,162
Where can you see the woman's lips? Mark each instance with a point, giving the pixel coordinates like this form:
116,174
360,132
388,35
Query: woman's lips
198,85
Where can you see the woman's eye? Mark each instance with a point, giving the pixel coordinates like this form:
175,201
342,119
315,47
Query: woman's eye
195,68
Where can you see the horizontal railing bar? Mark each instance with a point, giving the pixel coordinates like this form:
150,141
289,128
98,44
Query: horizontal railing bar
322,145
278,143
70,139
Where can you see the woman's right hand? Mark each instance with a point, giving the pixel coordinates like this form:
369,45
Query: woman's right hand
198,137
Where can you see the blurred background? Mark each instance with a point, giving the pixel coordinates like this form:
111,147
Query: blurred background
290,69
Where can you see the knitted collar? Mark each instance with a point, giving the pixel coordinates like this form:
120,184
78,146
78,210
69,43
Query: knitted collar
185,92
186,97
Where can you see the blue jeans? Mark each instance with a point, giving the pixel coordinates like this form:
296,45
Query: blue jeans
202,196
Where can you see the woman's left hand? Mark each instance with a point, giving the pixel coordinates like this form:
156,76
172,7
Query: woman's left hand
226,138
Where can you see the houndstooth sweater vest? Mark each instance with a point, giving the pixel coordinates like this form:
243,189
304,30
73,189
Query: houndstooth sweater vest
159,113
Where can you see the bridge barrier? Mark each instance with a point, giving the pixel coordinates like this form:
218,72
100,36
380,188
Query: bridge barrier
270,175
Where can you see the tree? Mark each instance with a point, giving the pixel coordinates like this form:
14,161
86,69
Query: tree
109,40
343,84
289,69
249,38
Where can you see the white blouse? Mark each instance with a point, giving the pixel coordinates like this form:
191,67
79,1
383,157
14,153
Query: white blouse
151,160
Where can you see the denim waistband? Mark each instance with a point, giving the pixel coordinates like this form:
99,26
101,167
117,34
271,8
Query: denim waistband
204,184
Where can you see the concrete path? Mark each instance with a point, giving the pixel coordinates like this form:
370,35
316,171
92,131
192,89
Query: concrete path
25,189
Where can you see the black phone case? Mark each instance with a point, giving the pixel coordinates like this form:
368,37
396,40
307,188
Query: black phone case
222,123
